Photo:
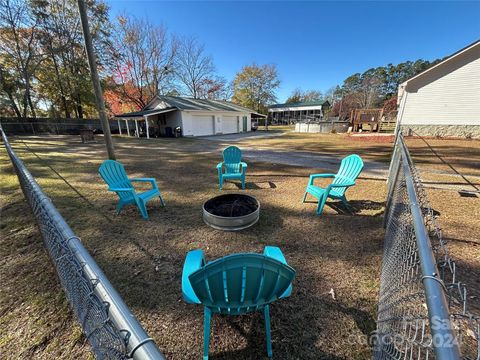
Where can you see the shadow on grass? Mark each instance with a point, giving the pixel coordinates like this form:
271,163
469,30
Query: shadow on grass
143,259
356,206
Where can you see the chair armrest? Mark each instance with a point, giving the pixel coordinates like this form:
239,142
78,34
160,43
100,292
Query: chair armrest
275,253
315,176
244,166
150,180
143,179
347,184
219,166
121,189
194,261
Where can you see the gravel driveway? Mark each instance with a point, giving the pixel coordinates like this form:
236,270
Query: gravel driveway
373,169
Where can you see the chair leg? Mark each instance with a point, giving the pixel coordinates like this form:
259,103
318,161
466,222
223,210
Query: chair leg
266,314
207,316
321,204
243,182
161,200
345,202
220,181
143,209
305,197
119,207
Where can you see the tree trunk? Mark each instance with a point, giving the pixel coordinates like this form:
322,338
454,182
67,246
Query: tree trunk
25,105
9,94
27,98
79,109
60,85
14,104
65,107
30,103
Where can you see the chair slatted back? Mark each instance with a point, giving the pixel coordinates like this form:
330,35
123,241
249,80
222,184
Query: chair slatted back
113,173
350,168
232,156
241,283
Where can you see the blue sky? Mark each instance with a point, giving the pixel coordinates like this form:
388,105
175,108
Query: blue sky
315,44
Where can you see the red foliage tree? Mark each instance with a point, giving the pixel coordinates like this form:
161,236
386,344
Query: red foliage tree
390,104
122,95
343,107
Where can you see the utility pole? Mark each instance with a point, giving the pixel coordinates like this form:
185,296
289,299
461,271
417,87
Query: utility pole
95,80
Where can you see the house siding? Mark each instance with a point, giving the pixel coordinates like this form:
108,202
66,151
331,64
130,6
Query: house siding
447,97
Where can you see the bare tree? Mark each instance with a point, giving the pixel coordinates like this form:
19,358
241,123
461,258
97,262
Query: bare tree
20,56
215,88
143,60
194,68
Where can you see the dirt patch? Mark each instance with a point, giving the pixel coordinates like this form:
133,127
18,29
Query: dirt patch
373,138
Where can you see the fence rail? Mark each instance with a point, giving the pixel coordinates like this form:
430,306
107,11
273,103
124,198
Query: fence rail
422,311
108,324
56,126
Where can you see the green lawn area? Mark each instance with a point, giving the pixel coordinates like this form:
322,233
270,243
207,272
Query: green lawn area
143,259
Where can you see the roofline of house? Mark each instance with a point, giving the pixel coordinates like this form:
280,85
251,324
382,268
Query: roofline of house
448,58
151,112
142,113
300,104
159,97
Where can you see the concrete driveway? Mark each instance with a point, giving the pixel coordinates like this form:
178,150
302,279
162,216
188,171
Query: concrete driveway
372,169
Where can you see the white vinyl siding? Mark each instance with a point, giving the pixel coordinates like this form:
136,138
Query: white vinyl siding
447,95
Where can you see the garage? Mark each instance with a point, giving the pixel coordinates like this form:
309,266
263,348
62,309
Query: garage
184,116
202,125
230,124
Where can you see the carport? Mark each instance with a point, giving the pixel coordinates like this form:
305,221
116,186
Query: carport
137,116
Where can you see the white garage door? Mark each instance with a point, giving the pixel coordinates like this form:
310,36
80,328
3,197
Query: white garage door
202,125
230,125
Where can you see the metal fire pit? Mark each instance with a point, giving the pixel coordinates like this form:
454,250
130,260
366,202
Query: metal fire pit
231,212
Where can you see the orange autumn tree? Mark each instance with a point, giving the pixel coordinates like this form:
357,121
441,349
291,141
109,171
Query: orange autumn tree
121,95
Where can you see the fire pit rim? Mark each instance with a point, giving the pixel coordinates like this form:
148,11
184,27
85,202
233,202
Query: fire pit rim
255,215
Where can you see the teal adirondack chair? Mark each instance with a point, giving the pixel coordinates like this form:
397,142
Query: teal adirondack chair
116,178
236,284
234,167
350,168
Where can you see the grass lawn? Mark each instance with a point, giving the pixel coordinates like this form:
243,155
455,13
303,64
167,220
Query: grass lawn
143,259
338,145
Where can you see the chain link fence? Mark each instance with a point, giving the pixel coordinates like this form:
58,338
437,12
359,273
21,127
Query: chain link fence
55,126
109,326
423,311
